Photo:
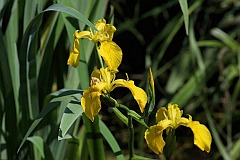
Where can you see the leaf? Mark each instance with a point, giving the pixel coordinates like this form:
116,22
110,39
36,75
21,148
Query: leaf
58,97
38,143
150,94
137,117
226,39
72,12
215,134
71,113
111,140
136,157
121,116
234,152
184,8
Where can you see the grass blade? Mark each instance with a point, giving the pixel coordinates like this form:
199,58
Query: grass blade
184,8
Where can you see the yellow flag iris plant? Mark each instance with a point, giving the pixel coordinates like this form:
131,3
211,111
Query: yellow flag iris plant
103,82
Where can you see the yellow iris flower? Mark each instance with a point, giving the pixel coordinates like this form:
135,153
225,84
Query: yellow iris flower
171,118
109,50
102,83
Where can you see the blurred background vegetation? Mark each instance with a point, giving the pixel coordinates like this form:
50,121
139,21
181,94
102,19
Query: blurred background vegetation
197,68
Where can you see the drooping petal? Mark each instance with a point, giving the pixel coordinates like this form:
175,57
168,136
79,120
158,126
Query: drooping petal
91,103
74,56
202,136
111,53
154,138
138,93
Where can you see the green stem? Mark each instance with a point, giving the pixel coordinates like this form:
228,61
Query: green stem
94,138
170,144
99,57
131,138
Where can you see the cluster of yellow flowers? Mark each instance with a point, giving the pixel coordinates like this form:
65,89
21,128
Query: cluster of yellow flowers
103,79
103,82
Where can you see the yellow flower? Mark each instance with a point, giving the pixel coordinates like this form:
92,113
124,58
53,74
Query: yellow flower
109,50
102,83
171,118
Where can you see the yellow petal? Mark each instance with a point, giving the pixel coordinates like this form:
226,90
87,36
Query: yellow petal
82,34
161,114
202,136
151,81
154,139
96,73
138,93
74,56
106,75
111,53
105,31
174,113
91,103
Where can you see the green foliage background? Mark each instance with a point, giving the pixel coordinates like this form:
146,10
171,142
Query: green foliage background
195,62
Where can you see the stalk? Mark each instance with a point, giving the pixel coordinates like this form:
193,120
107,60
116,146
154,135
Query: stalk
94,138
131,138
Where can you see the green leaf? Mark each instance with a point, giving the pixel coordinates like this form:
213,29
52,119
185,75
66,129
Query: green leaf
38,143
216,137
71,113
184,8
150,94
226,39
136,157
111,140
121,116
137,117
58,97
234,152
72,12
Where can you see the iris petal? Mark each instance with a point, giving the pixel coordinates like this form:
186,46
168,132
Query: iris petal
91,103
161,114
202,136
111,53
154,139
138,93
74,56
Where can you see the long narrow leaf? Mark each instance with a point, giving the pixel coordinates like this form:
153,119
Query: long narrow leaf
72,12
38,143
184,8
111,140
71,113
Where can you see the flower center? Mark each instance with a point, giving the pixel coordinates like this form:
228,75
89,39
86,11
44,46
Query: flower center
94,81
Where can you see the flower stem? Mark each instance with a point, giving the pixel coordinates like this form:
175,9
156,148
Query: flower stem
131,138
94,139
170,144
99,57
